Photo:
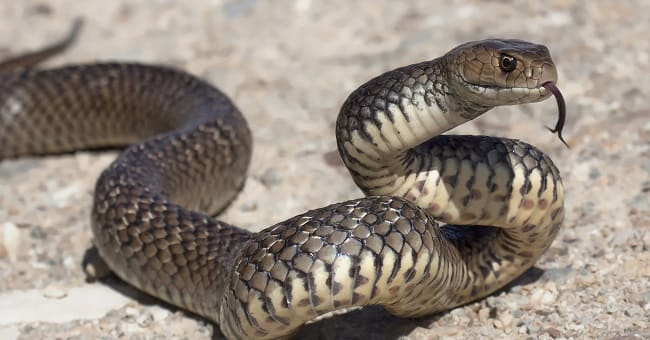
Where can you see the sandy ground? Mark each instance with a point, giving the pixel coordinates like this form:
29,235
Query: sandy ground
289,65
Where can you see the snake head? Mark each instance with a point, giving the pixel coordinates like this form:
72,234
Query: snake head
488,73
495,72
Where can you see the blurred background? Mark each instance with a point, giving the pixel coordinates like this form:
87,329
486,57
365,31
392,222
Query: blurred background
289,65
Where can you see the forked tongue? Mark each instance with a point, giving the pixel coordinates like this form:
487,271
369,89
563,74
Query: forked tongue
561,108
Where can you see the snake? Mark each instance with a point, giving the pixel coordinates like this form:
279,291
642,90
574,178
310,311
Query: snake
445,219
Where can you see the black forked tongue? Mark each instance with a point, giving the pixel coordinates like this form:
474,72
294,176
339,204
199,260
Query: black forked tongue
561,108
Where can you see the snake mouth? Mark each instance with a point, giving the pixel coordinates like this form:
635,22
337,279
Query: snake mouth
499,95
511,95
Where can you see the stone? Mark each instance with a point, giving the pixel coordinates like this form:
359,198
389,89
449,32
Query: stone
55,291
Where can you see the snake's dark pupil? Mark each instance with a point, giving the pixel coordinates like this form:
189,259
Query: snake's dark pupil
508,63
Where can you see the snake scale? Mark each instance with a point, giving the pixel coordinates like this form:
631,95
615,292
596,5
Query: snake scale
501,199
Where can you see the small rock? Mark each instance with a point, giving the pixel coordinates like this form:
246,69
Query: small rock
523,329
248,206
11,240
507,320
548,298
484,314
126,328
554,333
41,9
159,313
55,291
144,320
69,262
536,296
542,297
131,312
270,177
37,232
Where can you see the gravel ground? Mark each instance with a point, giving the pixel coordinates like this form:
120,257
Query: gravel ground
289,65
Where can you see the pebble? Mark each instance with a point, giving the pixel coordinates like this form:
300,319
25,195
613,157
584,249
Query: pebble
541,297
159,313
40,9
13,240
522,329
507,320
144,320
131,312
55,291
37,232
10,241
270,177
128,328
70,263
484,314
248,206
498,324
553,332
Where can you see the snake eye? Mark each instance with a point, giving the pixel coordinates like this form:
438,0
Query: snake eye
507,63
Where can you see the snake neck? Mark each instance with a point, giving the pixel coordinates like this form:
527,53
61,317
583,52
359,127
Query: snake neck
389,134
382,123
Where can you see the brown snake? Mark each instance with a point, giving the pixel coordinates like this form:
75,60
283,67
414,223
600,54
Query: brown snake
189,152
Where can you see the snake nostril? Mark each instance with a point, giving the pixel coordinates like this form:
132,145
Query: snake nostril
548,73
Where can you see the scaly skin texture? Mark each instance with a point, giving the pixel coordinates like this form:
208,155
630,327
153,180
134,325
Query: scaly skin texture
502,198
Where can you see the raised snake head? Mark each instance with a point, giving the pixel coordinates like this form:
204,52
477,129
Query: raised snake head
488,73
498,72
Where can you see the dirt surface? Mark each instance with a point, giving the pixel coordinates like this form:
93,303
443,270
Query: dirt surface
289,65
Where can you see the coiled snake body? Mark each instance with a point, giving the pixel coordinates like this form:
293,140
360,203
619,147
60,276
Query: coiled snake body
191,149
